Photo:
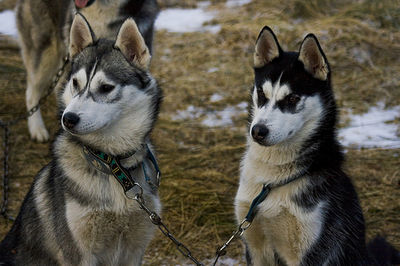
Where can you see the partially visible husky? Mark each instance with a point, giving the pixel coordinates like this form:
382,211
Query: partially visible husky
74,213
44,25
314,217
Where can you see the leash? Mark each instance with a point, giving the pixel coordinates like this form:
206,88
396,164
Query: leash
5,125
252,212
133,190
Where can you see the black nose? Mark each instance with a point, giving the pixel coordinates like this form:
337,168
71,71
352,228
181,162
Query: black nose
259,132
70,120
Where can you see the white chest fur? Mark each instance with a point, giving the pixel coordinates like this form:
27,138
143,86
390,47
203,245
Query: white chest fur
280,225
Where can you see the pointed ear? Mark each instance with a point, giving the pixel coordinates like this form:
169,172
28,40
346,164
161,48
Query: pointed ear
81,35
313,58
267,47
132,45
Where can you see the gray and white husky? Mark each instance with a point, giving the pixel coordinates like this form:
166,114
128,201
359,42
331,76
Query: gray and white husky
43,27
312,214
76,213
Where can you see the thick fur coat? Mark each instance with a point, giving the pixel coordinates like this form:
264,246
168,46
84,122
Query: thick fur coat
75,214
316,219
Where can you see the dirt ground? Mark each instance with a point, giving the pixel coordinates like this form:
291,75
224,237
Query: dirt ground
200,164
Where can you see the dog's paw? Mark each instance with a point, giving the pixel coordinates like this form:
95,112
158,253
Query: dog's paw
37,128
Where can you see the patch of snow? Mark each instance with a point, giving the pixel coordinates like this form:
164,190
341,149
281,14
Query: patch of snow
221,262
186,20
242,106
191,112
212,69
203,4
220,118
211,118
235,3
7,23
360,55
228,262
216,97
212,28
372,130
223,117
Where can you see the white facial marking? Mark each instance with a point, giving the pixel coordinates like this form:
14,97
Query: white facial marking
94,115
101,79
284,125
70,91
99,110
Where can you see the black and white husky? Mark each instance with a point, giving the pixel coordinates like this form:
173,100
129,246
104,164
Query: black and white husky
76,213
314,216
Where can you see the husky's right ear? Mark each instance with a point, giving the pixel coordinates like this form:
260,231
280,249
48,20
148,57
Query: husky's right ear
267,48
81,35
132,45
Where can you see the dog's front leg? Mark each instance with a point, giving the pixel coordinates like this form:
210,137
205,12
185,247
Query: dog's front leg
40,75
260,251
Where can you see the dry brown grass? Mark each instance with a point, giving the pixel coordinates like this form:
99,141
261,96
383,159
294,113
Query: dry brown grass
200,164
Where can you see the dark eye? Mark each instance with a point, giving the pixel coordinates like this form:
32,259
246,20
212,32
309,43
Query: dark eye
75,84
293,99
105,88
262,100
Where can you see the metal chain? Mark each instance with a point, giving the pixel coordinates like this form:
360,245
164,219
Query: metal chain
156,220
6,126
3,210
153,216
42,99
221,251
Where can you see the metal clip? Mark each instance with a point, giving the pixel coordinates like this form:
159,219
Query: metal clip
243,226
135,192
221,251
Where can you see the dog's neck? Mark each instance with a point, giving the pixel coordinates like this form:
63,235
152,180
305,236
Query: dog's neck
277,155
129,158
276,163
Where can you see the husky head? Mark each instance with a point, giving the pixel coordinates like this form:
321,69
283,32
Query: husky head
291,94
111,101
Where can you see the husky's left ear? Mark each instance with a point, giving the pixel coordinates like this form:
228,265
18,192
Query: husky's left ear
132,45
313,58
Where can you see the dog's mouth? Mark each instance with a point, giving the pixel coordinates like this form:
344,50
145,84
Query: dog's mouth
85,130
83,3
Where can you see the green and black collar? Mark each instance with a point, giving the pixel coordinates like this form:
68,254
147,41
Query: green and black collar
109,164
